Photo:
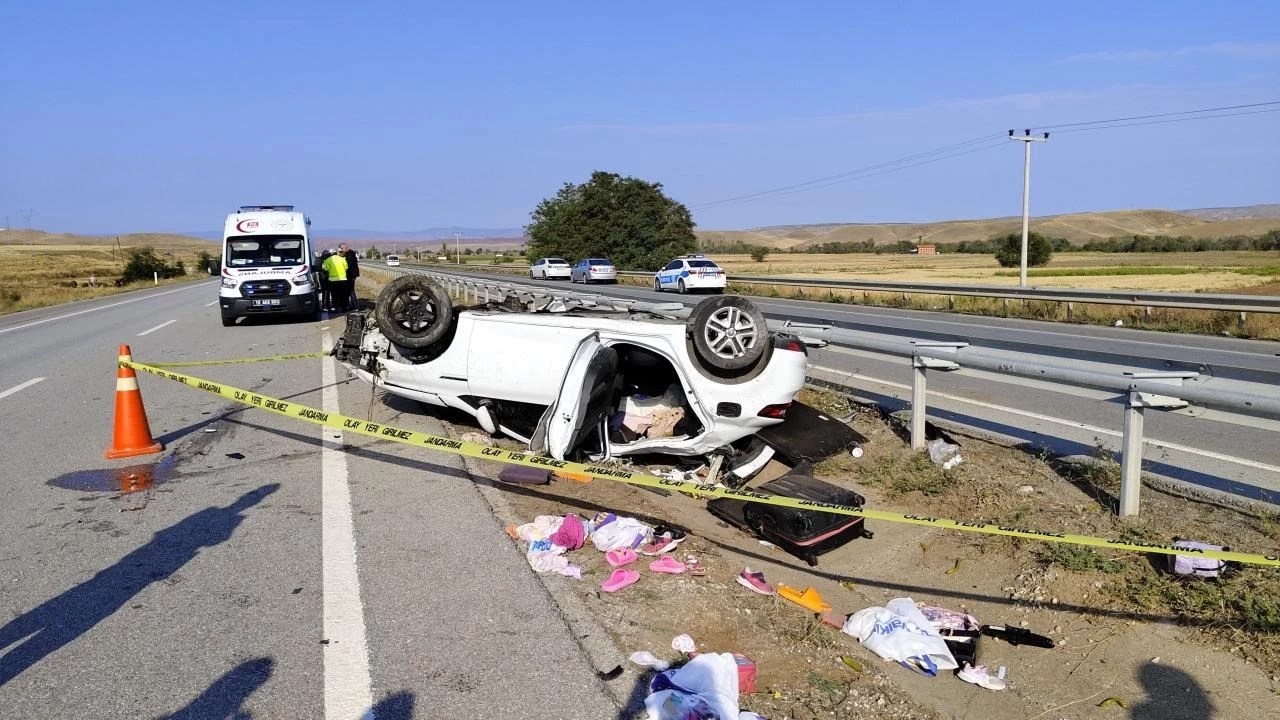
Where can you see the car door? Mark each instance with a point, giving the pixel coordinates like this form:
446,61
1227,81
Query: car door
536,270
585,398
671,273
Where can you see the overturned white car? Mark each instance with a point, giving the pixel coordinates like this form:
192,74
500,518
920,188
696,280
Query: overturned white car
576,381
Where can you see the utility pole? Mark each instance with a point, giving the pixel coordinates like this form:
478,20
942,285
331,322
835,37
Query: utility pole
1026,197
457,247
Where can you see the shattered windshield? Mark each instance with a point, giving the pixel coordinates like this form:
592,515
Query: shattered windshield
264,250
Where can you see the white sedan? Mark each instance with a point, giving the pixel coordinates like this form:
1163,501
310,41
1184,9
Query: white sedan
577,382
550,269
690,273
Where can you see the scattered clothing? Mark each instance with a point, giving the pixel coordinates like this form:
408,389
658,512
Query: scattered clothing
755,582
1193,566
619,533
553,561
572,533
944,619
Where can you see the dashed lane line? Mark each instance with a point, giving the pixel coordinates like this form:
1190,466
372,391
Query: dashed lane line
18,388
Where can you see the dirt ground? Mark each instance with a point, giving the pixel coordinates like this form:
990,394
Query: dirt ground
1131,642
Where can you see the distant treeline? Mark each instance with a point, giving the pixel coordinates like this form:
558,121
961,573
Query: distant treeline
1125,244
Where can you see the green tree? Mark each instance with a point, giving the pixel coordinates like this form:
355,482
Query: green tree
144,264
759,253
373,253
1009,250
206,262
623,218
466,251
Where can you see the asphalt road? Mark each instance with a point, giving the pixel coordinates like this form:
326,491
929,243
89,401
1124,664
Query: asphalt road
1204,450
275,569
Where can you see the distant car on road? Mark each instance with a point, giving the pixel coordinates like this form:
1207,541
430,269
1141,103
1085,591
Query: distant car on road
550,269
689,273
393,260
591,270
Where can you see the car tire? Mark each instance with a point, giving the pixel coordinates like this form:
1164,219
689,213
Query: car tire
228,321
657,285
414,312
680,287
729,332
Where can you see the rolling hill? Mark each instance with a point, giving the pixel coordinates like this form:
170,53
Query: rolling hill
1076,227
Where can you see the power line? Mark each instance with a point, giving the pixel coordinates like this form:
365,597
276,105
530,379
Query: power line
848,173
947,152
989,146
1161,115
1163,122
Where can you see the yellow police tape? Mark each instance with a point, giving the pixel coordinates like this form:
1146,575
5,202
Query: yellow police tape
476,450
239,361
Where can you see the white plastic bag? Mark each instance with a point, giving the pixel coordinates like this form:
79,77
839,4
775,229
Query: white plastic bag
705,687
900,632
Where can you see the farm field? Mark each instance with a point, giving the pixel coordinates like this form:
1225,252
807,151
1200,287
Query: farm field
1206,271
39,275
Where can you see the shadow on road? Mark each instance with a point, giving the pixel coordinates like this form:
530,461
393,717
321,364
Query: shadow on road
222,700
394,707
44,629
1171,695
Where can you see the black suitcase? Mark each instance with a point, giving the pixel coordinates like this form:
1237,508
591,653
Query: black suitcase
803,533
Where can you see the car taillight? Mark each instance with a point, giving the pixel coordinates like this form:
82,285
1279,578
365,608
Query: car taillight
775,411
789,342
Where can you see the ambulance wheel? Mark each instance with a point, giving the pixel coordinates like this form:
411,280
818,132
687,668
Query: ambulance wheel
228,321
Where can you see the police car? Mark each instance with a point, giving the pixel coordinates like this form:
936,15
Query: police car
690,272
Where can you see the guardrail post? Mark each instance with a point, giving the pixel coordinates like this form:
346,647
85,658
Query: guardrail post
1240,322
918,403
1071,307
1131,456
919,379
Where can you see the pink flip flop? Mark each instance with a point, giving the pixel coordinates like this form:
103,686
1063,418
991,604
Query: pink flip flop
667,564
620,557
620,579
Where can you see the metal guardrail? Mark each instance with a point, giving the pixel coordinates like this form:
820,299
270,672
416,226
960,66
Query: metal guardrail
1139,390
1131,298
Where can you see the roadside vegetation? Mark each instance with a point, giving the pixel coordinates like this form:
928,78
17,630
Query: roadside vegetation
34,276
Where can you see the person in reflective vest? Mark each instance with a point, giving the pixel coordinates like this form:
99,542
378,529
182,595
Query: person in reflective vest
339,286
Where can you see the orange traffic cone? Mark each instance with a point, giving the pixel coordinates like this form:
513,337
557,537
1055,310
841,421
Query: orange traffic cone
132,433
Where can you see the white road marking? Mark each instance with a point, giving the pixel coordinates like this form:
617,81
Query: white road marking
1060,421
16,388
148,332
100,307
347,689
215,302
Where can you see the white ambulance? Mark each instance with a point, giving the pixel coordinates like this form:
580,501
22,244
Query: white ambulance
267,264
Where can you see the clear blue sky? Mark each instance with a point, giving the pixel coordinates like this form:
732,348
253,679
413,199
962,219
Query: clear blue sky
128,116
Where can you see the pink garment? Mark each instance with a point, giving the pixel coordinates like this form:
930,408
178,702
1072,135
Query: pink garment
571,535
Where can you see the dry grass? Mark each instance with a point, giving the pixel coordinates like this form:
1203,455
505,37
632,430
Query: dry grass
33,276
1076,227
